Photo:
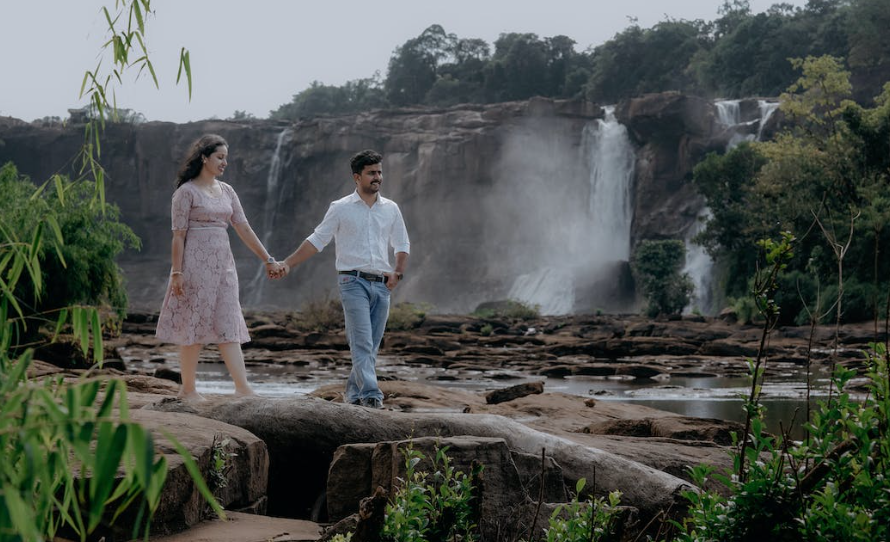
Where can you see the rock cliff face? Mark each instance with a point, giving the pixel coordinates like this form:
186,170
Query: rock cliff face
499,199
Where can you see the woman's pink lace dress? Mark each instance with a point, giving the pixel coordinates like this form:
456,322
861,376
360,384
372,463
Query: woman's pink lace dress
209,311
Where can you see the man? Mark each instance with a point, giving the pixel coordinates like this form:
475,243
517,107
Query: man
363,225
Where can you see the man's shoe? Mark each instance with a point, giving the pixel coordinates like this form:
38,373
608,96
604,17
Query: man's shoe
372,402
356,402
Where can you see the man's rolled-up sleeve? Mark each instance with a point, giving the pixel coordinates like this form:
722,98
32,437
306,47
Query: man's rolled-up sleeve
324,232
398,237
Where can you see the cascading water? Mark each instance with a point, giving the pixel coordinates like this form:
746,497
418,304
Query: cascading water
766,111
611,158
699,265
591,243
270,210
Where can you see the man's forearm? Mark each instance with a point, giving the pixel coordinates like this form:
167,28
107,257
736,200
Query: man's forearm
303,253
401,262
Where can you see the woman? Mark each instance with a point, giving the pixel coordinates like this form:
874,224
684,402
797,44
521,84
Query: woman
201,305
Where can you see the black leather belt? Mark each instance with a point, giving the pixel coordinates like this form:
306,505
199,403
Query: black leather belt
367,276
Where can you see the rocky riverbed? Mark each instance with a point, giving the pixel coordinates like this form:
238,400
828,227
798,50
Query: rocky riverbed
493,381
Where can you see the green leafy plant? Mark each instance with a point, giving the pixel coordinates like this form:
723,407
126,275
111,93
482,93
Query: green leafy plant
75,240
658,265
510,309
590,520
220,463
71,461
436,505
833,486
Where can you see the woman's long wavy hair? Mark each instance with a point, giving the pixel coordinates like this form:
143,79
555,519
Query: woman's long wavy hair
193,163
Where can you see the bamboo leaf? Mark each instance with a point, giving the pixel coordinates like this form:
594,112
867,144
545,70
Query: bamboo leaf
17,374
10,297
139,21
60,321
185,65
54,225
98,352
107,405
23,522
154,76
109,450
60,188
143,452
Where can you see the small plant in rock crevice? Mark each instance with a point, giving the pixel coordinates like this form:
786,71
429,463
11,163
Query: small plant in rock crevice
437,505
220,463
590,520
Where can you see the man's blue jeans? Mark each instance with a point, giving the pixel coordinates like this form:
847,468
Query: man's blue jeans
366,307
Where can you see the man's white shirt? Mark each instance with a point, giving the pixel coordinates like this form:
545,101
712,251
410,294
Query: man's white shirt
362,234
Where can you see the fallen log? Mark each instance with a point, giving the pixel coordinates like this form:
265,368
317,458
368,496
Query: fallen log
302,434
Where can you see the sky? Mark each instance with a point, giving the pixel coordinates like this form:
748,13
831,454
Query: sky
254,55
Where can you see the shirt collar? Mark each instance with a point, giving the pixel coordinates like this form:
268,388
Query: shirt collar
355,198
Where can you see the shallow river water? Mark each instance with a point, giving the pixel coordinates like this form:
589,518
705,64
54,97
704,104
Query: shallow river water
710,397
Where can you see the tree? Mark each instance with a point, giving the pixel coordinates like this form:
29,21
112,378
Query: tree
657,264
633,62
413,67
319,99
824,180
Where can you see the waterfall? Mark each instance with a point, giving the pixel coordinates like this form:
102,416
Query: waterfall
270,211
600,235
728,112
766,111
611,158
699,265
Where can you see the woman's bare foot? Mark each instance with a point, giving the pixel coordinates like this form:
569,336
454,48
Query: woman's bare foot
245,393
192,397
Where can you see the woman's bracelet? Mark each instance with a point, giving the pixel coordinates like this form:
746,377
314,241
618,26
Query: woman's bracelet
175,273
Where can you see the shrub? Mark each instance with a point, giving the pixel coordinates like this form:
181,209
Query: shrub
320,315
745,309
857,303
76,238
407,316
435,505
835,485
510,309
657,265
69,458
591,520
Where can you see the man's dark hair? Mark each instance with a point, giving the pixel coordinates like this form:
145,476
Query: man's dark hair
364,158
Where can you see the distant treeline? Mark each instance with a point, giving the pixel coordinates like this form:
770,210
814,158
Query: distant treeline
738,54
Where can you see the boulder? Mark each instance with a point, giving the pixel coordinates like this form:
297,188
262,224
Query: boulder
241,484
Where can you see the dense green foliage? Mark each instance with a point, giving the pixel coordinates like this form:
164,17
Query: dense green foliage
834,485
657,266
441,504
827,181
590,520
739,54
76,239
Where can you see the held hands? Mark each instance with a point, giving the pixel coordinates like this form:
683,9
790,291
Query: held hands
277,270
